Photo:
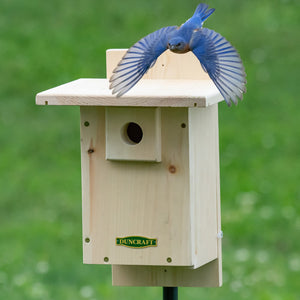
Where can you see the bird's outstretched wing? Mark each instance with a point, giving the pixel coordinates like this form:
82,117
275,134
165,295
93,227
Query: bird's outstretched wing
222,63
138,59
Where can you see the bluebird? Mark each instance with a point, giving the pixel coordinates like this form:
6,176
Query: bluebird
216,55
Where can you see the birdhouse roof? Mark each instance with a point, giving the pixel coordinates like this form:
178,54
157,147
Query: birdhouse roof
148,92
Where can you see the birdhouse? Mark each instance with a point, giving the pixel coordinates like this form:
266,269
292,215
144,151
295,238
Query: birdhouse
150,173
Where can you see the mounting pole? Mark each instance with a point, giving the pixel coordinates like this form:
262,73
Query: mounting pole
170,293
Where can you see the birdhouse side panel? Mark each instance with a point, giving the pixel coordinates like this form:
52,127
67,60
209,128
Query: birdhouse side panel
204,182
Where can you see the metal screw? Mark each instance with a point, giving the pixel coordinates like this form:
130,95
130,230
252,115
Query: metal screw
106,259
172,169
183,125
220,234
86,124
91,151
169,259
87,240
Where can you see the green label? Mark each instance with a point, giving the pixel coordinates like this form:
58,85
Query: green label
136,242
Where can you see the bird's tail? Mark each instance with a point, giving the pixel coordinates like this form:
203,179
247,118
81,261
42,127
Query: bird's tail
203,12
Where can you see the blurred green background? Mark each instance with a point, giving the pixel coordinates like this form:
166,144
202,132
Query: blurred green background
46,43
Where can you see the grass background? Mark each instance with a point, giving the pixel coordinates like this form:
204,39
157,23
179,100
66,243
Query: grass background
47,43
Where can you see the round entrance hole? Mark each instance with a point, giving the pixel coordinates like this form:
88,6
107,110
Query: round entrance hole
132,133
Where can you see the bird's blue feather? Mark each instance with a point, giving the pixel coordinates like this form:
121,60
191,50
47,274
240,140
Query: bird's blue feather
203,12
222,63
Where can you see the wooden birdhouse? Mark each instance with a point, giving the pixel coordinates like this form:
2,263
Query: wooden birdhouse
150,173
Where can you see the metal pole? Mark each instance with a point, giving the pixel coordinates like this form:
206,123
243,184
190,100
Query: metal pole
170,293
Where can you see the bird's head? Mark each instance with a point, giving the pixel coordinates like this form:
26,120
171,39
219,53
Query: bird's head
178,45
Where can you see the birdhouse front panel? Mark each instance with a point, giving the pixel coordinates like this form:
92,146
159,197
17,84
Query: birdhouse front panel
136,212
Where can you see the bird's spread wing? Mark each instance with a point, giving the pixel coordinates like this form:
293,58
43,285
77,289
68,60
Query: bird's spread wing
138,59
222,63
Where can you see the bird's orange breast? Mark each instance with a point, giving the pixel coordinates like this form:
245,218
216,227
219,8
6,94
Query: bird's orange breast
184,50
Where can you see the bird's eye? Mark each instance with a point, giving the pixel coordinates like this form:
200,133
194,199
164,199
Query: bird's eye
179,44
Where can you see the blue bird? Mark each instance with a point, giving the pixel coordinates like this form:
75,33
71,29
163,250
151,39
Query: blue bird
217,56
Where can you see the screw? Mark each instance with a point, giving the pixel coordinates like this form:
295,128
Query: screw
106,259
86,124
183,125
169,259
172,169
91,151
87,240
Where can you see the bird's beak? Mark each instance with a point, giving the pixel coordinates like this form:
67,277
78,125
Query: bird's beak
171,47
